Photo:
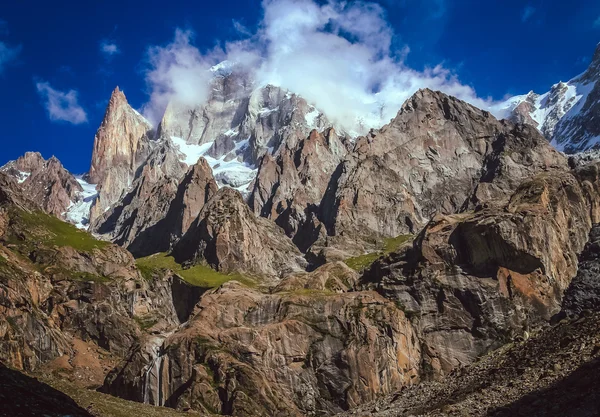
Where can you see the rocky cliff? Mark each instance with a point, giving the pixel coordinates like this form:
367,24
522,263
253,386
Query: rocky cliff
45,181
230,238
299,352
70,303
120,146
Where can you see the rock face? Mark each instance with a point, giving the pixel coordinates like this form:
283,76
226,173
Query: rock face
131,222
121,145
399,177
290,186
159,209
60,289
474,280
246,353
517,154
230,238
566,114
584,291
236,111
45,182
553,373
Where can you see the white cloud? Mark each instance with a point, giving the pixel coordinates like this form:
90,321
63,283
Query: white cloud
240,28
109,48
338,56
597,22
528,11
178,71
8,54
61,106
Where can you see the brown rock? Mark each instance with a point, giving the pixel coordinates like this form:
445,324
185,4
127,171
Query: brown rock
230,238
281,354
45,181
120,146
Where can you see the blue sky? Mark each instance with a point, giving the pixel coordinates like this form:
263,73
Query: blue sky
60,60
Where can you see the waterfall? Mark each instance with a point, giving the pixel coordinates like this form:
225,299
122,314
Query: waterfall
153,372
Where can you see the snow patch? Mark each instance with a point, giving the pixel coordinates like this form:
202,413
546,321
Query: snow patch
78,212
22,176
311,117
233,173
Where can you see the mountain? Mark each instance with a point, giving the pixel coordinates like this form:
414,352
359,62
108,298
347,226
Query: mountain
50,184
248,258
565,115
120,146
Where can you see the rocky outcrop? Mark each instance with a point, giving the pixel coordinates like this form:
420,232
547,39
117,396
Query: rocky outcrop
130,222
290,186
517,154
121,145
553,373
45,181
230,238
61,289
473,281
247,353
583,294
425,161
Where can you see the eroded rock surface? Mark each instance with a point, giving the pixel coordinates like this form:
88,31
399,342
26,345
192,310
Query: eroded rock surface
247,353
230,238
45,181
121,145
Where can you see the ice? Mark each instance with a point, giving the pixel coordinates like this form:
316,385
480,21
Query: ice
311,117
78,212
23,176
233,173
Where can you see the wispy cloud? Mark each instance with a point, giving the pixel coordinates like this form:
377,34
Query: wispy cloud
597,22
60,105
528,11
337,55
109,48
240,28
8,54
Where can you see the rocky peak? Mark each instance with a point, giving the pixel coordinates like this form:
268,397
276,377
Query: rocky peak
45,181
565,114
120,146
230,238
399,176
592,73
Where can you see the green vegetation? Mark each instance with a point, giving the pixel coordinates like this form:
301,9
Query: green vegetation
198,275
362,262
145,322
51,231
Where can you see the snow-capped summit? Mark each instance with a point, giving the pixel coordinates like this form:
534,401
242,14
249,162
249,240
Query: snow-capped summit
568,114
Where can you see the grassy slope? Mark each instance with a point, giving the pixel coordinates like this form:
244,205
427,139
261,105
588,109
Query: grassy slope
198,275
51,231
362,262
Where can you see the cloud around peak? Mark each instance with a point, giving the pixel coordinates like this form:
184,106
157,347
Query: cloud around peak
61,106
338,56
